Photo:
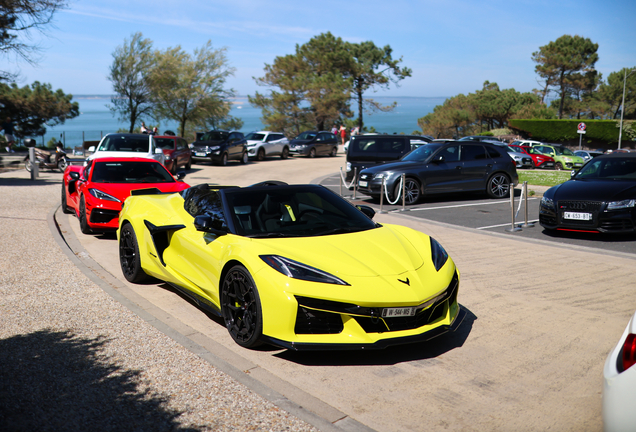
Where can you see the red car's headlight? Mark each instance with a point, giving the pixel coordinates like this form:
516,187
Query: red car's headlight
102,195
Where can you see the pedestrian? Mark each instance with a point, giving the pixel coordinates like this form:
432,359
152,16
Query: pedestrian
343,133
155,131
143,129
7,127
334,130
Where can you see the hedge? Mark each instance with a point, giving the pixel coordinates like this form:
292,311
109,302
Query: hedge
566,130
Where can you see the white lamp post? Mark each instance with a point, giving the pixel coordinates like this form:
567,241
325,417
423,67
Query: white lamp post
620,129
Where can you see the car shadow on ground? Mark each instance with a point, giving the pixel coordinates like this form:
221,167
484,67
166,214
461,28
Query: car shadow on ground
419,353
594,237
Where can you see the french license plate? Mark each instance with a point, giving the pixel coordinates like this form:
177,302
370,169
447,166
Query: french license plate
398,312
363,183
549,164
578,164
199,154
577,216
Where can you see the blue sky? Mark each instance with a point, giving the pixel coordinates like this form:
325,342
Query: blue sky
452,46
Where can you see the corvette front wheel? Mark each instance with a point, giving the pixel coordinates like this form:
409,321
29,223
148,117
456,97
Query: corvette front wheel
84,227
241,307
129,255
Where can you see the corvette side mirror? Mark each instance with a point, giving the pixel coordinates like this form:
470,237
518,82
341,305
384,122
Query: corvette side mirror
205,223
74,175
368,211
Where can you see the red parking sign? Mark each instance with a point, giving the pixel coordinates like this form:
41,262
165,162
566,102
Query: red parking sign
581,126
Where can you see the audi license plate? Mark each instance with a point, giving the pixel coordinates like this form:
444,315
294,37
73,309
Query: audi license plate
201,154
363,183
577,216
398,312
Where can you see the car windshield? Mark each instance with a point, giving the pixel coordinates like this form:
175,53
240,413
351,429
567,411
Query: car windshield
293,211
422,153
611,169
253,136
165,143
306,136
562,151
533,150
140,144
130,172
214,136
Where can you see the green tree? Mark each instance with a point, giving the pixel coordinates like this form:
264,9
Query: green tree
560,63
33,106
18,19
454,118
372,68
131,64
610,93
190,88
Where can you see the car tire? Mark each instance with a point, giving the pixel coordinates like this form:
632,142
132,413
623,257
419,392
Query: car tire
64,204
312,153
412,191
285,153
62,164
188,166
245,158
498,186
558,166
129,258
334,152
241,307
261,154
173,168
224,159
84,227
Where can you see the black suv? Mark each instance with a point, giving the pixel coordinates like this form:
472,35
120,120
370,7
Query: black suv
368,150
219,147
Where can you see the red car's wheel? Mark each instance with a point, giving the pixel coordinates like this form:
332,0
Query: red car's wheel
82,218
64,206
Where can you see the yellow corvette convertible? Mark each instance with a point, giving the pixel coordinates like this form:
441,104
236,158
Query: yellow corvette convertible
294,266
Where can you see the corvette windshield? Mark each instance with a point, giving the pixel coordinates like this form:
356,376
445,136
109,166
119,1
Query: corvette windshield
611,169
130,172
422,153
293,211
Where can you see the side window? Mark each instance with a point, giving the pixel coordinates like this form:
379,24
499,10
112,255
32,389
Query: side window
451,154
365,145
320,138
391,145
473,152
493,152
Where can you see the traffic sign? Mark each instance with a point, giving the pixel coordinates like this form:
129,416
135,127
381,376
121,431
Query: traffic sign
581,128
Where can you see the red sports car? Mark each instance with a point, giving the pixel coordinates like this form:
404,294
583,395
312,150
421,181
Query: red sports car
96,192
539,159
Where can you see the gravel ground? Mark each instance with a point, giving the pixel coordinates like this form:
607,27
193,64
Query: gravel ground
72,358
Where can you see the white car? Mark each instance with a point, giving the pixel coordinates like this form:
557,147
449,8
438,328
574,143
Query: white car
263,144
127,145
528,143
619,383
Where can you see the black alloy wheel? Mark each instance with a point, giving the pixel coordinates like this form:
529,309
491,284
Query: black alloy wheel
64,205
84,227
285,153
241,307
412,191
312,152
261,154
498,186
129,259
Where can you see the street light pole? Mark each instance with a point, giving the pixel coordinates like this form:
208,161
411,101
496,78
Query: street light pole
620,129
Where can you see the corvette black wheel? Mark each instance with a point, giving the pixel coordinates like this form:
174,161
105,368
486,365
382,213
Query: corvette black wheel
65,209
129,255
241,307
498,186
84,227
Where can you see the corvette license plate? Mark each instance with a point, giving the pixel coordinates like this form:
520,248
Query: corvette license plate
577,216
363,183
398,312
199,154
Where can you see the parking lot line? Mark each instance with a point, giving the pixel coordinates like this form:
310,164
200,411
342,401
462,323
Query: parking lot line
506,224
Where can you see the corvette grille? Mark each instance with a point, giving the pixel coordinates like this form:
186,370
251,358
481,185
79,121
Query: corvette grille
103,215
309,321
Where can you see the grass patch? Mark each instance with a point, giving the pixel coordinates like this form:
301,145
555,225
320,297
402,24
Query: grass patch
543,178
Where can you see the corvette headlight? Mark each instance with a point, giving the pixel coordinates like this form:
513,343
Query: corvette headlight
102,195
547,202
438,254
297,270
617,205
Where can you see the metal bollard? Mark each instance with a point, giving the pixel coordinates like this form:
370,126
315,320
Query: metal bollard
382,195
403,192
340,181
34,165
512,228
355,181
525,205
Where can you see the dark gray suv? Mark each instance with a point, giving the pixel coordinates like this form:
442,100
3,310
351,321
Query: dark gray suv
447,167
219,147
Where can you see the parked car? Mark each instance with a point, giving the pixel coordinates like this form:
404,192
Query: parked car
218,147
314,143
265,144
95,193
521,159
176,150
479,138
127,145
538,159
440,168
529,143
587,154
368,150
619,383
249,255
600,197
564,158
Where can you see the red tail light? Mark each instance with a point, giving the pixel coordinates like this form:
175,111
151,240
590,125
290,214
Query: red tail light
629,351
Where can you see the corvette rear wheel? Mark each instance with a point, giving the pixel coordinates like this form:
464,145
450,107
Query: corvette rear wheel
84,227
65,209
129,255
241,307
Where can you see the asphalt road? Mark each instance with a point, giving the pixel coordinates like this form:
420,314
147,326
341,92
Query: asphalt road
477,211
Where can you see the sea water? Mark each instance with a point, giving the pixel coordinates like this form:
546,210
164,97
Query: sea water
96,119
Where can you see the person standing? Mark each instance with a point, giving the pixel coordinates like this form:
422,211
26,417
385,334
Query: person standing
343,133
143,129
7,127
334,130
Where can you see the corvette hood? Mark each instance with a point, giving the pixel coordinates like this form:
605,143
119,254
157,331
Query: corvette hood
594,190
376,252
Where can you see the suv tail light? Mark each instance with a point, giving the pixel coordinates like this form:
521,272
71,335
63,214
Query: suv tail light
629,352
